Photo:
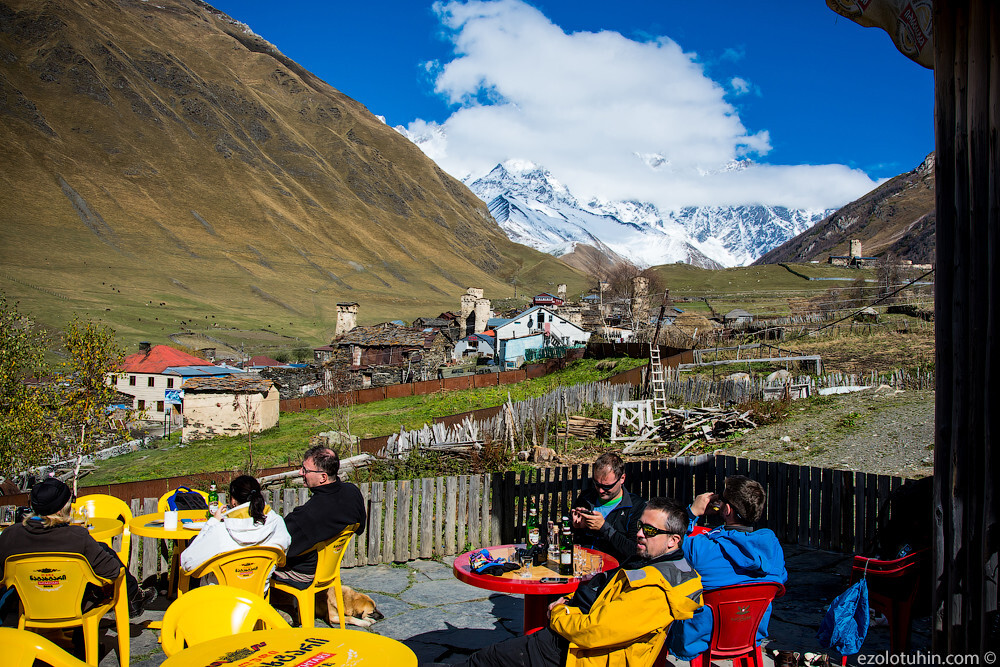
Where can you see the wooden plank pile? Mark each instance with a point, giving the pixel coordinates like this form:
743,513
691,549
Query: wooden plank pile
705,424
711,423
586,428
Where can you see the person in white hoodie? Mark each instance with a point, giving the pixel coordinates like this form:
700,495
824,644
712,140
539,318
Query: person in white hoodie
247,522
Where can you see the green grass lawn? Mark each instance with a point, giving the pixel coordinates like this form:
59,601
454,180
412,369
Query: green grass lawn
286,442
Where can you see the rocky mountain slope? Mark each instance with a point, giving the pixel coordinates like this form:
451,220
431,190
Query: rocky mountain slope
897,216
535,209
163,155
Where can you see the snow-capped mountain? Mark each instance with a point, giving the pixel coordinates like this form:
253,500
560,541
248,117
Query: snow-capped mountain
535,209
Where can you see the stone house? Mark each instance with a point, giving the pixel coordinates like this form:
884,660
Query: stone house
211,408
386,354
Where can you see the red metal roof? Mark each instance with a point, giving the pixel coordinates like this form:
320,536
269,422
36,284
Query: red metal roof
158,359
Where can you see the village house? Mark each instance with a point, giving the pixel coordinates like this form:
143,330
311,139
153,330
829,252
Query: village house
228,406
535,328
386,354
323,353
476,345
737,316
153,377
547,300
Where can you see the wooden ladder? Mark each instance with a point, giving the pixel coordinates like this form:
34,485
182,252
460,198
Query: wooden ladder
656,380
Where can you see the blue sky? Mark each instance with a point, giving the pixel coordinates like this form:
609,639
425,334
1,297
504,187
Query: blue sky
826,107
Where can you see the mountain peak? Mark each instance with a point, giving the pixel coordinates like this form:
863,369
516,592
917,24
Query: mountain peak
535,209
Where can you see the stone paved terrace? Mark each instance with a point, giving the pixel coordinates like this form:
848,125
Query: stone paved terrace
442,619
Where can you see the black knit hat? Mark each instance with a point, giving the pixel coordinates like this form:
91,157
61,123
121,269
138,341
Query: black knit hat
49,496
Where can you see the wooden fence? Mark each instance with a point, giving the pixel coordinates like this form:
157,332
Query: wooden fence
372,394
699,389
442,516
815,507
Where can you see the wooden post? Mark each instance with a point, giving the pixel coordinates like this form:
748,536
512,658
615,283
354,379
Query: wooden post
967,283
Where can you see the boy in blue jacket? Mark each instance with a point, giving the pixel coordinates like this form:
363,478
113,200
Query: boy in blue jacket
734,553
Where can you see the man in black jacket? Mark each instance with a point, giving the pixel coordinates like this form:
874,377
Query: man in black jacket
334,505
604,516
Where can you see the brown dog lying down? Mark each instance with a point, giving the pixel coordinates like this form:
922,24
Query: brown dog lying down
360,609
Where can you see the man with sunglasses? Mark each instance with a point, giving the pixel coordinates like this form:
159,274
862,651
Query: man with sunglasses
334,505
604,516
734,553
620,616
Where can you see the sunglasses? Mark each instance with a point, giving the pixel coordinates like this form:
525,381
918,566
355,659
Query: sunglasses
651,531
606,487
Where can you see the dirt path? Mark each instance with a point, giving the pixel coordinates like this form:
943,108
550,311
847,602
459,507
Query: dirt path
875,431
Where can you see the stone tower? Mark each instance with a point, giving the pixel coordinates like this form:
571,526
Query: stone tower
347,317
561,291
467,318
482,314
855,247
640,298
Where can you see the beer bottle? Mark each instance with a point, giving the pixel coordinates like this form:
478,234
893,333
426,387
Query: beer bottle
532,524
566,550
213,500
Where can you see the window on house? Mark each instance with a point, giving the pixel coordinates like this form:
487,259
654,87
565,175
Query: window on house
151,382
131,380
159,406
140,405
170,383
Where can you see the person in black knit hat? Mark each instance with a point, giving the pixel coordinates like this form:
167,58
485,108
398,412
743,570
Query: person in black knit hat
48,529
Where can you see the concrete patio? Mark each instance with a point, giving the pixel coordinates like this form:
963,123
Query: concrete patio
443,620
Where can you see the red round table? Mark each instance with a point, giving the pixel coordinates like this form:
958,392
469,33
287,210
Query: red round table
537,595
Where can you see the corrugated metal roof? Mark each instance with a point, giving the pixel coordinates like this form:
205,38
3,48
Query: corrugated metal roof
199,371
229,384
159,358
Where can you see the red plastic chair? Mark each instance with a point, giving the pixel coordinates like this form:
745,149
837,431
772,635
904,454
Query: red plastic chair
736,614
892,589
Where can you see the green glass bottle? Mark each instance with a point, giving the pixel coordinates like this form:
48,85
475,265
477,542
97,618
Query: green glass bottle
213,499
532,525
566,550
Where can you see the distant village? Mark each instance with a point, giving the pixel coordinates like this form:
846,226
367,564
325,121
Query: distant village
221,392
217,393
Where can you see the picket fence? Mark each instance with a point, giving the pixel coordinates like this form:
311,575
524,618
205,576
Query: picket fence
694,390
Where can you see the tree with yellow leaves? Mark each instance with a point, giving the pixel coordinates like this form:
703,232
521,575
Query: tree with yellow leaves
24,427
84,409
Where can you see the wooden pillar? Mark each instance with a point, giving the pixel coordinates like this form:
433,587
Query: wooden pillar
967,324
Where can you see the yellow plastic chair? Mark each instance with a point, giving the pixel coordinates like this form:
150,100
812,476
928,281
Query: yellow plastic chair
162,506
99,504
21,648
51,588
210,612
330,554
247,569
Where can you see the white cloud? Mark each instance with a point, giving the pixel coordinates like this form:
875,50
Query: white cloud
594,107
739,86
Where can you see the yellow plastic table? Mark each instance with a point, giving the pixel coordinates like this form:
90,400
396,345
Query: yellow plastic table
151,525
315,647
104,529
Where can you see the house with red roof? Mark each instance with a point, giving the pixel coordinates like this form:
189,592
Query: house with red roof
154,375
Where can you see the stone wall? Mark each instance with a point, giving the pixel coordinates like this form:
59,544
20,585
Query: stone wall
339,376
208,414
290,381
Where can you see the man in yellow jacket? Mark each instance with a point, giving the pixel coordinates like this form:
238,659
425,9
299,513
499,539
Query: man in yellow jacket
618,617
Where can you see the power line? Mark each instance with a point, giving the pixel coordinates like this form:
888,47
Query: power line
876,301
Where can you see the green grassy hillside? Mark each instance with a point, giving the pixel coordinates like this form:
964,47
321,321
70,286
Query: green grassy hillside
162,168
